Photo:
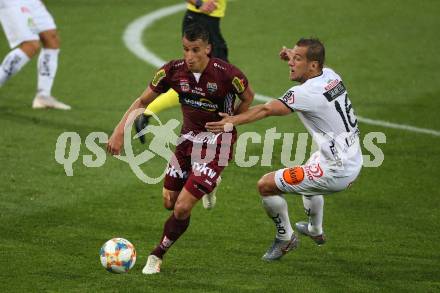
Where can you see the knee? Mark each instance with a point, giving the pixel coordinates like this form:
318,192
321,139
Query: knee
30,48
182,210
267,186
50,39
168,205
262,186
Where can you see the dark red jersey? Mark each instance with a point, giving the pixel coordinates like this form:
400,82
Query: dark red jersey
201,101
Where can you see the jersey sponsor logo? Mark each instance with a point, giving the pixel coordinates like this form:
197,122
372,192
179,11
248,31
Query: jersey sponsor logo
218,66
335,90
212,87
202,103
352,138
179,64
208,105
158,77
331,83
313,171
288,98
238,84
198,91
184,85
335,153
293,175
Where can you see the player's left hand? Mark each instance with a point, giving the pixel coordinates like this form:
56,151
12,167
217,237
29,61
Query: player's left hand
284,53
224,125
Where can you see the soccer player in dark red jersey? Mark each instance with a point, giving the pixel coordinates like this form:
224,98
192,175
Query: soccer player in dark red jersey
206,86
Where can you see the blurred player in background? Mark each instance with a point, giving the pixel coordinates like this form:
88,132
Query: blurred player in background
206,86
26,23
322,103
207,13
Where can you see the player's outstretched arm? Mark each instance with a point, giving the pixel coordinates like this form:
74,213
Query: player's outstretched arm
246,99
272,108
116,140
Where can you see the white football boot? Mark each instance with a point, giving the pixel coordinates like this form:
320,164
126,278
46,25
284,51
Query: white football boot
152,266
210,199
43,102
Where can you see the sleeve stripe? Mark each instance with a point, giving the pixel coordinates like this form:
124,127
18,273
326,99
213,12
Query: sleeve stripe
285,104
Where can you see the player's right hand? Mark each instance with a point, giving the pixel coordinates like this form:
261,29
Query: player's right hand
114,144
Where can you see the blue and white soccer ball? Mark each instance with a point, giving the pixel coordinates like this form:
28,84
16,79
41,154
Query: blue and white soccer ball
118,255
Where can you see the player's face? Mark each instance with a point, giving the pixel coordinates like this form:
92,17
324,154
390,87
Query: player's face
196,54
300,68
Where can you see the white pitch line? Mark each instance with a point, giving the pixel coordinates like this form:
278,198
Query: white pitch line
398,126
132,38
133,33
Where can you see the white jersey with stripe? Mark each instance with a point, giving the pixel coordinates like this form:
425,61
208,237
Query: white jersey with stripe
323,105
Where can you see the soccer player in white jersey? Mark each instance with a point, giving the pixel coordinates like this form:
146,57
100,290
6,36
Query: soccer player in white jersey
26,23
322,103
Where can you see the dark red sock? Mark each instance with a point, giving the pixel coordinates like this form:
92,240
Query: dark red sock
172,230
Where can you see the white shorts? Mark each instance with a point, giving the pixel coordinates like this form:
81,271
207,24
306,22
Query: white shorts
24,20
313,178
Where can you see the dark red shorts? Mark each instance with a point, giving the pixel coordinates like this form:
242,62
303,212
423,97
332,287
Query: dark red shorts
197,173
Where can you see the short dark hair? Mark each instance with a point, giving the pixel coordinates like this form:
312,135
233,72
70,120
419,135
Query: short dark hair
196,31
315,50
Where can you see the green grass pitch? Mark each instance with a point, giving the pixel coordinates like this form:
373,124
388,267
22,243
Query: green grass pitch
383,234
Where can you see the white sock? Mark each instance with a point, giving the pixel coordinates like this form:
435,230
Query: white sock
12,64
276,209
314,207
47,68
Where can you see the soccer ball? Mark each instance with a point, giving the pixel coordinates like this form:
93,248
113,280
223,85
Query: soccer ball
117,255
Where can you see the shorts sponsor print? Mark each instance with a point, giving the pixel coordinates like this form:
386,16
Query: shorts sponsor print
198,177
293,175
312,178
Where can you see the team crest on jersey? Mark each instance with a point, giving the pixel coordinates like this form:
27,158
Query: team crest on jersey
238,84
184,85
289,98
158,77
212,87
